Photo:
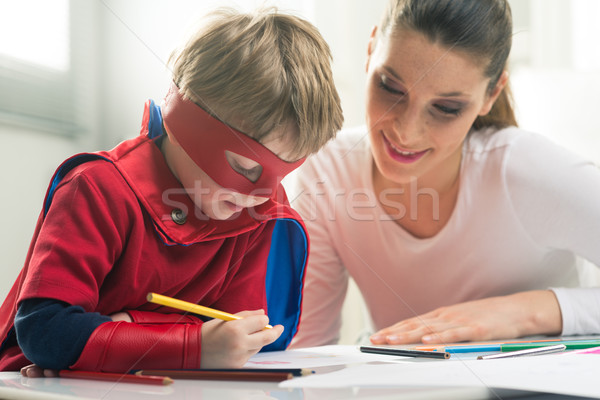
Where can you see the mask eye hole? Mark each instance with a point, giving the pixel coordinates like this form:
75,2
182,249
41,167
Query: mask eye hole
244,166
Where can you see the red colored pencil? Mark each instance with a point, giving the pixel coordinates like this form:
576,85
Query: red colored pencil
222,375
112,377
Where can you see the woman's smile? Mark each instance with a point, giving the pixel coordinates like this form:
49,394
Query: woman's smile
402,155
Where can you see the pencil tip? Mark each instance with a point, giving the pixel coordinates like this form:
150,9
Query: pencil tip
167,381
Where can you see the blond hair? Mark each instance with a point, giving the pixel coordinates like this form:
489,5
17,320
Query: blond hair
262,71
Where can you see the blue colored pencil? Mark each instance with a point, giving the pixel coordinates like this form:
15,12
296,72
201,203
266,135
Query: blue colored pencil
473,349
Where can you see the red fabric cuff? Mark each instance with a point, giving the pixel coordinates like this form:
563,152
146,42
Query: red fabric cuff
122,346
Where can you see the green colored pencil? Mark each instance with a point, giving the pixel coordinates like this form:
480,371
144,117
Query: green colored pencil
571,345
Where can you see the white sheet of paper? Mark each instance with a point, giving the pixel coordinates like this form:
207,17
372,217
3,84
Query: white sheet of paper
312,357
570,374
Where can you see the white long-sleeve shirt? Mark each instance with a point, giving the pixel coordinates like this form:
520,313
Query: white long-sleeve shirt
526,218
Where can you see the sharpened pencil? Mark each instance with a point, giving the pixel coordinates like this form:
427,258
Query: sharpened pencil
193,308
570,345
511,345
456,347
536,351
392,351
293,371
236,375
113,377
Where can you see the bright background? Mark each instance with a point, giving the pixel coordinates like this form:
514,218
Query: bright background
74,76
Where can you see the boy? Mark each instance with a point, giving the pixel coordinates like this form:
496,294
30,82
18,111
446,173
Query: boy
192,209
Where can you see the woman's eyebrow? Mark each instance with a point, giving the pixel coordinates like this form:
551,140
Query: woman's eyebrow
391,71
396,76
453,94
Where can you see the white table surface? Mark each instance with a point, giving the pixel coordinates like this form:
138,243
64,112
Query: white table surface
14,386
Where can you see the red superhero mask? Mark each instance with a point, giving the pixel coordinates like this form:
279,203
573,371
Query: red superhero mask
206,140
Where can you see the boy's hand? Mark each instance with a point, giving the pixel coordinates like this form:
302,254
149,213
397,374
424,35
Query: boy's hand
33,371
505,317
121,316
229,344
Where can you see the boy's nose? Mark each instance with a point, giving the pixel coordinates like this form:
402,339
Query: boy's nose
248,201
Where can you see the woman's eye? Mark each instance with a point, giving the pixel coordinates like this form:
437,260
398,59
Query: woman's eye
448,110
386,84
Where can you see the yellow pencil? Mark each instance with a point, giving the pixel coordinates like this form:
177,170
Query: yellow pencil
191,307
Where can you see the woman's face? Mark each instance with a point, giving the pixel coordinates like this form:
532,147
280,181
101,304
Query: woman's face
421,102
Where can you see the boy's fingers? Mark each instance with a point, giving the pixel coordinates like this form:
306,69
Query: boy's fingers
265,337
50,373
248,313
29,371
254,323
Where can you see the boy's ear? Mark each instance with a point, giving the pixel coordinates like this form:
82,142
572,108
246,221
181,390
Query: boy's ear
491,98
371,46
170,136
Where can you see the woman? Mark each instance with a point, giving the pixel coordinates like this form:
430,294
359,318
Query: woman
455,224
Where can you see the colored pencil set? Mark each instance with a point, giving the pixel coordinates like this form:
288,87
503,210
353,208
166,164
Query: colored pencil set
505,349
511,346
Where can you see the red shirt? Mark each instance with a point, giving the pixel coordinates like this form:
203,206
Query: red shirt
108,238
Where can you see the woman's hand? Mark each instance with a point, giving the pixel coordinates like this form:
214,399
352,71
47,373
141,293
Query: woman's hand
520,314
229,344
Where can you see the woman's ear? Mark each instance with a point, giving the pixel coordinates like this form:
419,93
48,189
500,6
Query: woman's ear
491,97
371,46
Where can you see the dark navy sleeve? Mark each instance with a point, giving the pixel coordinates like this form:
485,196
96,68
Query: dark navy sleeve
52,334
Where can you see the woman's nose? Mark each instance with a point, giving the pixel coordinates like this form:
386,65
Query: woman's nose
408,124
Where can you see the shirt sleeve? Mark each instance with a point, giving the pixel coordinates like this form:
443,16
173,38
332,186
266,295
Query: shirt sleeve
326,280
51,333
76,248
556,195
81,238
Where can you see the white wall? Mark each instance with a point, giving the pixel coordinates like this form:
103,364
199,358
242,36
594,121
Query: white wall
29,157
28,161
137,48
556,73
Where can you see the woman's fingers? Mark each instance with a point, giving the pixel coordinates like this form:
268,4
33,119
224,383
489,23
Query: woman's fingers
485,319
409,331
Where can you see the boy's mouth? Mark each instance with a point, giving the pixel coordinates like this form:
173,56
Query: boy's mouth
233,207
